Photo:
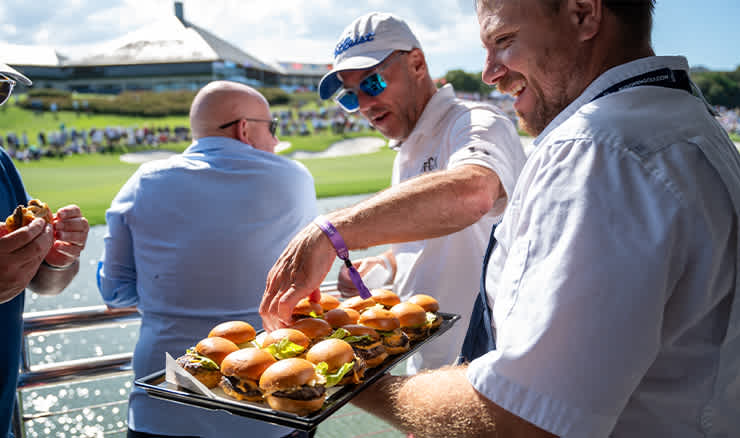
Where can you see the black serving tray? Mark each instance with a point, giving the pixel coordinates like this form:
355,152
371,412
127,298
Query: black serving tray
157,387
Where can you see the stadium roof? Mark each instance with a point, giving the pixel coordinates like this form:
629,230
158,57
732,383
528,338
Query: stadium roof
21,54
170,40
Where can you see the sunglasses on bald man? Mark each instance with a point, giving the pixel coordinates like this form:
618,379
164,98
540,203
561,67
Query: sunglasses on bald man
273,123
372,85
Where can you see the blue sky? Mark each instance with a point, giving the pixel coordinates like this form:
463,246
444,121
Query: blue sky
707,32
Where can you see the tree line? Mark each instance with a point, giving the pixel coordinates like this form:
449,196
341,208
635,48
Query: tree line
720,88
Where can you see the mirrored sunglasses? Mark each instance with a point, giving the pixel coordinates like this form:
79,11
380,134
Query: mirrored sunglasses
372,85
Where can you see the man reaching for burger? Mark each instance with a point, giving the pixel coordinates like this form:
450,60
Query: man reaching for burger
456,168
187,236
614,285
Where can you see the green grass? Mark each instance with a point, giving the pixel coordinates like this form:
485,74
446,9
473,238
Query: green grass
91,181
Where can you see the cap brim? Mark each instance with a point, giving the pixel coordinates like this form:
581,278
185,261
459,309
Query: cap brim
330,83
12,73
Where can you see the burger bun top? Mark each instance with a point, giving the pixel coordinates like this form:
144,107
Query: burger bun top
293,335
237,332
379,319
335,352
314,328
385,297
215,348
305,307
428,303
287,374
341,316
410,314
247,363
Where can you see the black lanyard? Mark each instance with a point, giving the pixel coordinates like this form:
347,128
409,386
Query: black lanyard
664,77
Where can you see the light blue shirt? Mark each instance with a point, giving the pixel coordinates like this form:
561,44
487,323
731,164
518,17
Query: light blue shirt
616,271
190,242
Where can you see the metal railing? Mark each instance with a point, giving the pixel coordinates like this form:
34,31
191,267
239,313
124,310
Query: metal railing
78,370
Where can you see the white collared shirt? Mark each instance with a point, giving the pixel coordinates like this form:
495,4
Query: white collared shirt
450,133
615,269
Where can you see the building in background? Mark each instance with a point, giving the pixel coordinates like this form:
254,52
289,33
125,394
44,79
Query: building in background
170,54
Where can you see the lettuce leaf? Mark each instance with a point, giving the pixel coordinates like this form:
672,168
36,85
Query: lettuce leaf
322,368
204,361
344,335
339,333
284,349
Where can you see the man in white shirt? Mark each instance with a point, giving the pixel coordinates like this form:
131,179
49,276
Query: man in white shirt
613,286
190,240
456,167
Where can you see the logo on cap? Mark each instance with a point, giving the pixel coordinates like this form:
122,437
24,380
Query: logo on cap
348,42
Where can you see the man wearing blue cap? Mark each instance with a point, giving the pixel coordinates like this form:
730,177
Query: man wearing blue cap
40,256
456,167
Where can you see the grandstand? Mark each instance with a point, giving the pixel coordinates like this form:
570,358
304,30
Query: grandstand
169,54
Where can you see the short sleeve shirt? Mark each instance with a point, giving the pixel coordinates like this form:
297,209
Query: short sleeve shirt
615,270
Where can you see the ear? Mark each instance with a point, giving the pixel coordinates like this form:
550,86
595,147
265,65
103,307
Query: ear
417,63
242,132
585,16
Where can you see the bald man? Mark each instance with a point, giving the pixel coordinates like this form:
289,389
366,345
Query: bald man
190,241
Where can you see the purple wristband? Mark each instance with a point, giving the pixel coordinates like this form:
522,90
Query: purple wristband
342,253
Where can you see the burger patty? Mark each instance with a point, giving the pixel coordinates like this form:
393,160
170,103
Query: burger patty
305,392
371,353
236,385
416,332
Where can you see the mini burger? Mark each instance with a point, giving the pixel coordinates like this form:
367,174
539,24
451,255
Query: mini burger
365,341
315,329
239,332
285,343
292,385
204,360
336,361
388,327
431,306
413,320
307,309
357,303
385,297
328,302
23,216
241,371
341,316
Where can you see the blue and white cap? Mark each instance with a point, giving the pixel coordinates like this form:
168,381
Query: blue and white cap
12,73
366,43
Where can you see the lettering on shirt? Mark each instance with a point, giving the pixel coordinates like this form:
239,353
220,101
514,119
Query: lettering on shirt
429,165
348,42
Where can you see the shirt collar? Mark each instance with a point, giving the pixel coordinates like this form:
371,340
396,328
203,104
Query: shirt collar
433,112
610,77
224,144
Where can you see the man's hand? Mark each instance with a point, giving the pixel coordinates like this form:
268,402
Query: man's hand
70,236
21,253
298,273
